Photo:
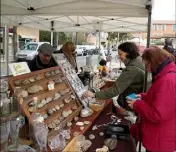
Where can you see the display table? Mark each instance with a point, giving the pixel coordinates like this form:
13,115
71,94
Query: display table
122,145
98,119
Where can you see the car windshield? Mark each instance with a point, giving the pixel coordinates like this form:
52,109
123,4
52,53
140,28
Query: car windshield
31,47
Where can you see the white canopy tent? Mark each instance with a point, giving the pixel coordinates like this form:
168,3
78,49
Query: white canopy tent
77,15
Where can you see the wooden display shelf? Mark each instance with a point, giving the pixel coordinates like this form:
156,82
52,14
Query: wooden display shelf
59,87
76,128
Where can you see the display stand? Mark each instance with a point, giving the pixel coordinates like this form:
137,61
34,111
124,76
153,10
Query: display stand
74,80
57,102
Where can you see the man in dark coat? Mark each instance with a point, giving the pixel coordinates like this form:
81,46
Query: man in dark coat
44,58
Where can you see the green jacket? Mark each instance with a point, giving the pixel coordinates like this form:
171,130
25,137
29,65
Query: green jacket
130,81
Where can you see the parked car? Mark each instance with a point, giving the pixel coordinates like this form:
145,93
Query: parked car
79,50
29,52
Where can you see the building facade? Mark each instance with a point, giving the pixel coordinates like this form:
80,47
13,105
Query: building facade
163,29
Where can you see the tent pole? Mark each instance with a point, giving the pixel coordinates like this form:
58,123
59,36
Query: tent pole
148,41
52,38
15,41
6,49
149,7
52,32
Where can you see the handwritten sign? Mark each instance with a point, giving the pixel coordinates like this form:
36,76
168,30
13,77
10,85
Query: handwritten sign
19,68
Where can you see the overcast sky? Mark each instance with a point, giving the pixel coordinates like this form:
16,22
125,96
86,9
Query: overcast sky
164,10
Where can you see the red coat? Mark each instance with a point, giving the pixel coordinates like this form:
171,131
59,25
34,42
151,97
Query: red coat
157,110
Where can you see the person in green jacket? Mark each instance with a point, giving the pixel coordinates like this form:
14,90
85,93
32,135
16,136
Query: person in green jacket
130,81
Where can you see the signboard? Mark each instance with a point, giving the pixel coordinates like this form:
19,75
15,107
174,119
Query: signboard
19,68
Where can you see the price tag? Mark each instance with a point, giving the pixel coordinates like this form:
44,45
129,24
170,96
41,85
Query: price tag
51,86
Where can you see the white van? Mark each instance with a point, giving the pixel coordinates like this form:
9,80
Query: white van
29,52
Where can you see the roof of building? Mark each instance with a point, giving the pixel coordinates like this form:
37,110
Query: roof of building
164,22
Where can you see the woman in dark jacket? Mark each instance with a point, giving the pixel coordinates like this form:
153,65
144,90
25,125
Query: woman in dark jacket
130,81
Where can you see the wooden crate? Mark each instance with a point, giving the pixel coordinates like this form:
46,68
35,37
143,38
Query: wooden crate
45,93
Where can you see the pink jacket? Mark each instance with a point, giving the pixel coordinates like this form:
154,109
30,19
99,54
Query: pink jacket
157,110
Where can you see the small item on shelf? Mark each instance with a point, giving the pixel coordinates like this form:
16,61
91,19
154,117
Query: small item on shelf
47,74
45,116
38,78
74,107
86,122
50,126
25,82
57,107
61,118
111,143
40,105
101,134
50,111
57,71
63,78
51,85
49,99
61,105
43,101
31,79
31,104
69,124
34,89
86,144
58,80
67,100
57,121
17,83
53,73
91,136
62,92
103,149
73,97
56,96
70,112
82,128
86,112
76,134
97,106
53,109
80,124
76,118
94,127
65,114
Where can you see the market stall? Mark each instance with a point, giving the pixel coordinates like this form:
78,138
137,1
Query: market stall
50,105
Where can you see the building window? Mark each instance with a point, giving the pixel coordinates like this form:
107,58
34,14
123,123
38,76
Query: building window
173,27
163,27
155,27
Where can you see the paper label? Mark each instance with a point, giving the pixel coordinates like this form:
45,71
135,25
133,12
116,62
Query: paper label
19,68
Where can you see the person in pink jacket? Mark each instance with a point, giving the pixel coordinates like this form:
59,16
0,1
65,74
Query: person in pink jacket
157,107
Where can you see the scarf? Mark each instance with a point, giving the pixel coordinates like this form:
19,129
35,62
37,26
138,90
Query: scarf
160,67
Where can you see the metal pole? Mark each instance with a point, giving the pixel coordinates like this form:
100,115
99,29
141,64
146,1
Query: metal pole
99,47
148,42
15,41
76,38
52,32
6,49
52,38
149,7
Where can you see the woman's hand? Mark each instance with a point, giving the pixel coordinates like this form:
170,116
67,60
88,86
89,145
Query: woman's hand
88,94
138,96
130,102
